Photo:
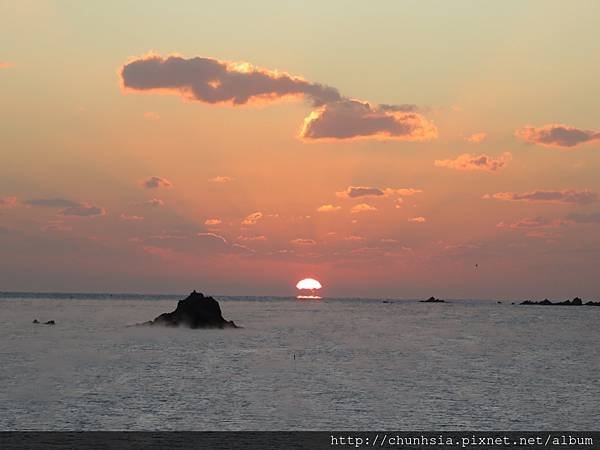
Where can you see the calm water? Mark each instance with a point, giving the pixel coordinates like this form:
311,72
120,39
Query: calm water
360,364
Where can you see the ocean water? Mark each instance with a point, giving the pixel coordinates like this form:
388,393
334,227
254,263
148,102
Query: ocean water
359,364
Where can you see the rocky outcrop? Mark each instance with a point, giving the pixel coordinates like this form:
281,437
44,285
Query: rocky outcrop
432,300
195,311
575,302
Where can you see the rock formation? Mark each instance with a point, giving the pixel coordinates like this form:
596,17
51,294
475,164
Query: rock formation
195,311
575,302
432,300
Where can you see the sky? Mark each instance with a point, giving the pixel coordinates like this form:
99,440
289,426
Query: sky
390,149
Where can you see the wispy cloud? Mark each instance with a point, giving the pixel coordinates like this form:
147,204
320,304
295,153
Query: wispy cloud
251,219
214,81
328,208
221,179
83,210
476,138
303,242
130,217
155,182
360,191
218,237
419,219
565,196
8,202
533,223
584,218
53,202
212,222
470,162
5,65
154,202
362,208
557,135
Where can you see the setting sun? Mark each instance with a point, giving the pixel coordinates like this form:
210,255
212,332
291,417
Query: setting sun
308,283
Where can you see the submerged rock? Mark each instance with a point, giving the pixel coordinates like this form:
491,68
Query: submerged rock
195,311
50,322
432,300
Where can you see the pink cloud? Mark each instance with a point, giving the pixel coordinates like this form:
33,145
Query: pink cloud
362,208
328,208
5,65
476,138
8,202
212,222
303,242
469,162
557,135
155,182
534,223
419,219
221,179
131,218
154,202
251,238
251,219
565,196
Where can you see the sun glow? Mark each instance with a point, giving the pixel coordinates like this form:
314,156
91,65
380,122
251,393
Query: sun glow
308,288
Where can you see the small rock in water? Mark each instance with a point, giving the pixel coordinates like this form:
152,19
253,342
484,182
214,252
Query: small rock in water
50,322
35,321
432,300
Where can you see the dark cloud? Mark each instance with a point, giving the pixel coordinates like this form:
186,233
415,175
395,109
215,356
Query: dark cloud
564,196
213,81
585,218
361,191
83,210
533,223
557,135
353,119
54,202
156,182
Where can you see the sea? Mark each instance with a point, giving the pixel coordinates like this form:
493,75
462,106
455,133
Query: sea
334,363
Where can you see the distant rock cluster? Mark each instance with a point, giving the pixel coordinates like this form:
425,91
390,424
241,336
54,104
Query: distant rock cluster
575,302
50,322
432,300
195,311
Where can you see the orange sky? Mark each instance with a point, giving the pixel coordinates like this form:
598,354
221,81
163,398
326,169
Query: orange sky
383,151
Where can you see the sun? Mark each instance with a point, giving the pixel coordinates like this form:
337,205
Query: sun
308,288
308,283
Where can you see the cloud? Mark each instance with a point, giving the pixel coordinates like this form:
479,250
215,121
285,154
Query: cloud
354,238
476,138
354,119
470,162
221,179
154,202
364,191
132,218
565,196
301,241
83,210
251,219
360,191
8,202
402,192
213,81
212,236
212,222
419,219
328,208
56,226
533,223
584,218
54,202
251,238
5,65
556,135
361,208
156,182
